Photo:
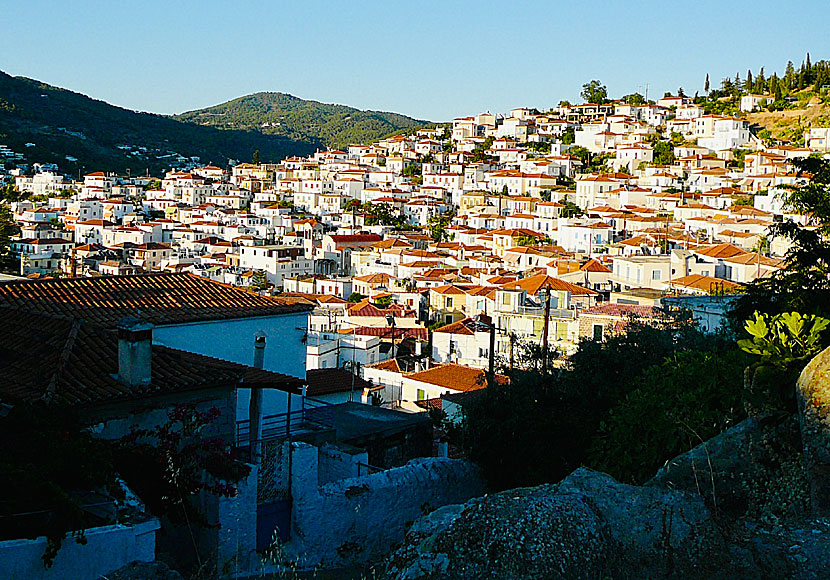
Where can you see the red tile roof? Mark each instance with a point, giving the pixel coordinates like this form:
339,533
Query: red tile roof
328,381
55,358
158,298
454,377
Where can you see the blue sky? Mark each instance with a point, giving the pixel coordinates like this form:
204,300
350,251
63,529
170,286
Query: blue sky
430,60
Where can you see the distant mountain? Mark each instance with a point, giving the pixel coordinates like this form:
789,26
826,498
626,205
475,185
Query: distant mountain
101,136
288,116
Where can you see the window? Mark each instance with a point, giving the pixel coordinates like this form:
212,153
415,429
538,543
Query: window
421,395
447,302
656,275
483,353
597,330
505,299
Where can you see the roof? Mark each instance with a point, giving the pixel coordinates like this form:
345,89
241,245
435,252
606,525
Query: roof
57,358
328,381
454,377
534,284
466,326
704,283
157,298
617,309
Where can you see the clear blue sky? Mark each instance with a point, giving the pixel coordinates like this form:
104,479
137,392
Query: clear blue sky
430,59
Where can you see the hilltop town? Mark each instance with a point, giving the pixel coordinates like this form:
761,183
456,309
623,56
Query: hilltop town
609,209
306,338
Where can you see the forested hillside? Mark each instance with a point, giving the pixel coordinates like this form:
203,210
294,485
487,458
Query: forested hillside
83,134
289,116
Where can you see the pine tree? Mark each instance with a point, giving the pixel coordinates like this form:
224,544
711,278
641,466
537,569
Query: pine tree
809,72
789,76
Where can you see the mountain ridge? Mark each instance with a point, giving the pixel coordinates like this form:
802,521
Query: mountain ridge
79,133
286,115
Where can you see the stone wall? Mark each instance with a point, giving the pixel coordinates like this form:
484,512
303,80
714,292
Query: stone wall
108,548
362,518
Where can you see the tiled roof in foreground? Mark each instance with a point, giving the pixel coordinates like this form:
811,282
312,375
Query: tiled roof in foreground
57,359
156,298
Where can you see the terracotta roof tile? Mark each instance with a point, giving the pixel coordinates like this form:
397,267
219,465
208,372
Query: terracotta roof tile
158,298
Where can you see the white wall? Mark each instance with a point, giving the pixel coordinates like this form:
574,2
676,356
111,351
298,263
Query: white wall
356,519
107,549
233,340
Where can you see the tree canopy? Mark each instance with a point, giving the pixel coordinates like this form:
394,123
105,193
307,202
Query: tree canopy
594,92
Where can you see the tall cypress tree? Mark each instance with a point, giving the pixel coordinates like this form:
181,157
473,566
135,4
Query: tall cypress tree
706,84
749,85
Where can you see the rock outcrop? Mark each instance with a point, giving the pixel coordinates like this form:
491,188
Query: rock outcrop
814,411
587,526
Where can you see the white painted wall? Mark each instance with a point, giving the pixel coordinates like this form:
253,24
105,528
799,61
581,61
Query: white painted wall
233,340
107,549
360,518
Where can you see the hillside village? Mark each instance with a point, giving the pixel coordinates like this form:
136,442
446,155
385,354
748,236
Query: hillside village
392,281
430,231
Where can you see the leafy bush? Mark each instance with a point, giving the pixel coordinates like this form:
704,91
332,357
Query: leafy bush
677,405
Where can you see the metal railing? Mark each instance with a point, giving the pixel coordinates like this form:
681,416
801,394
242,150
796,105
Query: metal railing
314,414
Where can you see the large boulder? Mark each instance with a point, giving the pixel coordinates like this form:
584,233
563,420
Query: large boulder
587,526
813,393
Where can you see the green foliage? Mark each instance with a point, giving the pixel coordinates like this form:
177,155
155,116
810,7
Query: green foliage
803,284
282,115
259,280
580,153
8,229
10,194
784,339
539,428
540,146
354,298
381,214
664,153
61,123
383,301
568,137
634,99
594,92
674,406
437,225
571,210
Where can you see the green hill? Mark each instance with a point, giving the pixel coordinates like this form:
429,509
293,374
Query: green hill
279,114
101,136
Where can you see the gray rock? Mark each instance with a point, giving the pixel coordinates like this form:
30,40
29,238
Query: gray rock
717,469
813,393
588,526
144,571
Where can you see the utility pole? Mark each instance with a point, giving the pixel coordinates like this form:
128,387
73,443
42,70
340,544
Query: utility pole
491,371
545,332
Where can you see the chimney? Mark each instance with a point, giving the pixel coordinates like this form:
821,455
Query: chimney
255,404
135,348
